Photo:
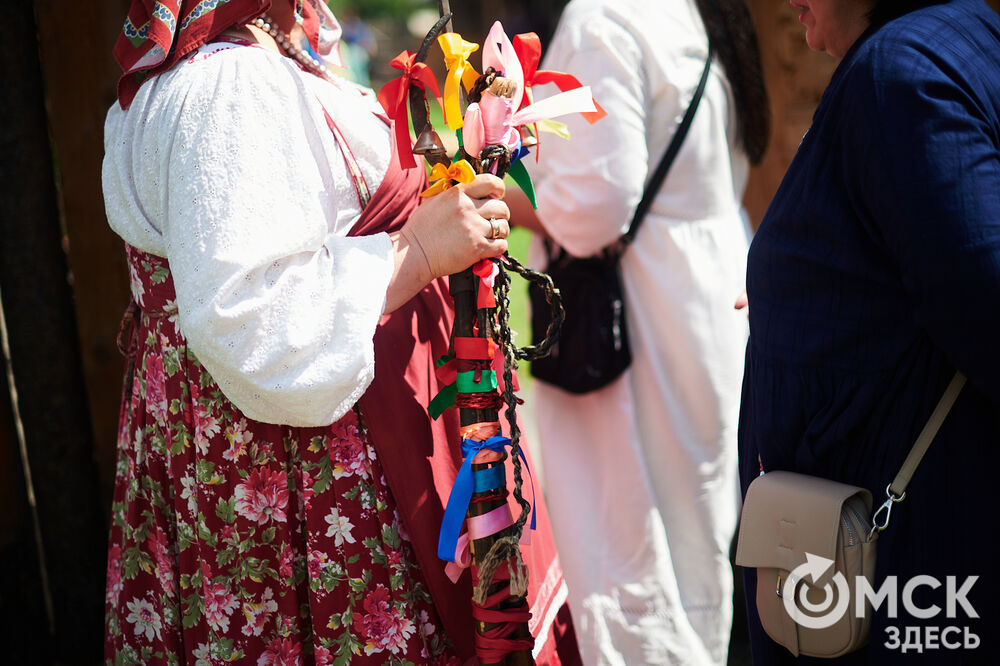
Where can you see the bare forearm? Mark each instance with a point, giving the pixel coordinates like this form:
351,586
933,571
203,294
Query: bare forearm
410,274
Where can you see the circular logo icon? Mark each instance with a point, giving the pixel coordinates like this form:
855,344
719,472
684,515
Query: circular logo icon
814,568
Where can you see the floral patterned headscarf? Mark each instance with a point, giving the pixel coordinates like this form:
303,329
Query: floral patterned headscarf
158,33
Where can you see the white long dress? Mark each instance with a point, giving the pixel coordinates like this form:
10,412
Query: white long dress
641,475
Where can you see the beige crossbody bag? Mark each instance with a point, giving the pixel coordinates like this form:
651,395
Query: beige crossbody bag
809,538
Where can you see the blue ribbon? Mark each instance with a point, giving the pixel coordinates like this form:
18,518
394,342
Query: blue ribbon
488,479
461,493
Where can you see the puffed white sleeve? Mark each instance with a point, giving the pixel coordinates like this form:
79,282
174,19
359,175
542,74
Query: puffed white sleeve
273,298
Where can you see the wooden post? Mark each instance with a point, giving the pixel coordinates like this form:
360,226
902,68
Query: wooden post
44,357
80,82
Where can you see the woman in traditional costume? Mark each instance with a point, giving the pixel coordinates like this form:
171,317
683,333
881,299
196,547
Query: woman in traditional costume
280,485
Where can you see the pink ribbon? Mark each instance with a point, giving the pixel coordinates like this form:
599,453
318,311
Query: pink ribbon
480,527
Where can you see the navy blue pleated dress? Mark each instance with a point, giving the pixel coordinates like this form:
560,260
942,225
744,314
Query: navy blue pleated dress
875,274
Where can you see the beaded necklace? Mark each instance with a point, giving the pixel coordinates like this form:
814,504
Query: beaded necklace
307,60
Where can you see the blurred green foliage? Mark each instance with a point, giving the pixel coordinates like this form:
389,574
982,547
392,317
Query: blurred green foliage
371,9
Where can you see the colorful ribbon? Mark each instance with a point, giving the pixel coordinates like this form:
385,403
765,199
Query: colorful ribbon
528,48
461,494
393,97
487,272
460,72
475,349
519,174
490,478
493,645
481,527
443,177
479,431
466,382
446,373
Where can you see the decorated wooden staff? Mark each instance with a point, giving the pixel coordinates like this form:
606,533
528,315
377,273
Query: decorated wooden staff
493,125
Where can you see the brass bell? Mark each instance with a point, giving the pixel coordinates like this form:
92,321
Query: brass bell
429,144
528,139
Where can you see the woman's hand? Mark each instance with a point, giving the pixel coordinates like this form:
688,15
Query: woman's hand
448,233
742,301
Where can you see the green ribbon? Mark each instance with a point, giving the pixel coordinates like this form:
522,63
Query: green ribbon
442,401
466,382
519,174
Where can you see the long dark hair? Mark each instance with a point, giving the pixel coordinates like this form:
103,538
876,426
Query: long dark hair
730,29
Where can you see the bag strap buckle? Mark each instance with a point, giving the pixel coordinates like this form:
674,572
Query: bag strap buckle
884,511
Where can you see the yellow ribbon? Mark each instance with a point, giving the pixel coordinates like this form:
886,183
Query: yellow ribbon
456,59
441,177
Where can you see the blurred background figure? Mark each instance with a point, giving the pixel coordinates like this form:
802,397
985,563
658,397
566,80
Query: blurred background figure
357,46
641,475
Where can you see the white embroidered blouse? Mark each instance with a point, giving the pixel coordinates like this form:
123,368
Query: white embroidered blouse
226,166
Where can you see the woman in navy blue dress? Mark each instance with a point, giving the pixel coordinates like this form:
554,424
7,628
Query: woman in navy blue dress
874,276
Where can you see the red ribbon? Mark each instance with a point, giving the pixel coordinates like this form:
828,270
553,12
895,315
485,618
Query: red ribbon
496,643
474,348
394,95
485,299
528,48
447,373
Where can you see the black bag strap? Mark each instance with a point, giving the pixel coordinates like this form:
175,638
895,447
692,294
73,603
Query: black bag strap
653,186
615,250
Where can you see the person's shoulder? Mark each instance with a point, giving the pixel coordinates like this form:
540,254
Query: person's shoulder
666,17
218,87
220,68
947,36
633,28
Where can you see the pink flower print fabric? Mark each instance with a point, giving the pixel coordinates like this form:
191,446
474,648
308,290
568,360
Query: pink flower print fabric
239,542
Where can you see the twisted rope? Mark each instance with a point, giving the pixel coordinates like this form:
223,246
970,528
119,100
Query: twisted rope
552,297
507,549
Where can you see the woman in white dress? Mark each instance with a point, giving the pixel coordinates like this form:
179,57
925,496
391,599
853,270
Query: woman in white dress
641,475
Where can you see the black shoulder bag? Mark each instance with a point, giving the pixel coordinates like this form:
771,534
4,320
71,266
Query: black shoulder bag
593,348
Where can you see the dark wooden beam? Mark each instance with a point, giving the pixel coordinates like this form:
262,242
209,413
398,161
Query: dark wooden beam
44,357
80,82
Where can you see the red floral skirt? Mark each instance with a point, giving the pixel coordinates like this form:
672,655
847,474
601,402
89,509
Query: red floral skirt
235,541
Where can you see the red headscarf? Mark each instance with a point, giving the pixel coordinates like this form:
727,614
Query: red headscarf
158,33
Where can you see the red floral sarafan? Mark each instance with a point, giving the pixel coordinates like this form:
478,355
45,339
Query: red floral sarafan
239,542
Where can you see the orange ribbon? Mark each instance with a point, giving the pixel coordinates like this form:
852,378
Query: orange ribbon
393,97
481,432
443,177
